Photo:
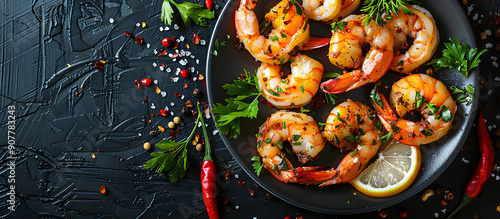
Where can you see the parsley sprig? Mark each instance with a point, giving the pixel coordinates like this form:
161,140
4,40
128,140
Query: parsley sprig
376,8
189,12
466,94
173,157
227,117
458,55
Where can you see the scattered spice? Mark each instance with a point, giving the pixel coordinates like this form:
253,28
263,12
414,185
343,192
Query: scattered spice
428,193
444,202
137,85
269,195
166,42
171,125
93,156
252,193
429,71
199,147
177,120
102,190
146,81
196,39
197,93
177,94
127,33
450,196
98,66
163,112
154,133
161,128
189,104
139,40
184,73
403,213
241,183
147,146
200,77
382,213
158,90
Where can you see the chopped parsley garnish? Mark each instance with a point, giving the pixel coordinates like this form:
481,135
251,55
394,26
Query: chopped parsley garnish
458,55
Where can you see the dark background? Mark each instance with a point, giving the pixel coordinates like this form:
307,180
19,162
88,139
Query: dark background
67,113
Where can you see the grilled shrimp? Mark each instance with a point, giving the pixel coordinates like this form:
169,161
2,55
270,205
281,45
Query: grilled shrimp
303,133
329,10
416,92
346,51
290,33
350,126
297,89
421,27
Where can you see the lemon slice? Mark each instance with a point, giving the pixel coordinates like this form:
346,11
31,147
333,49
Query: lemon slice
395,169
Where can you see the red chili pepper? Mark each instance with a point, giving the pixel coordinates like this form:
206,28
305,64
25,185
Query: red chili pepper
208,185
484,167
146,81
208,3
184,73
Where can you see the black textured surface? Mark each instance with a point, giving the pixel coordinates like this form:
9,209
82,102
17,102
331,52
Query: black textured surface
57,131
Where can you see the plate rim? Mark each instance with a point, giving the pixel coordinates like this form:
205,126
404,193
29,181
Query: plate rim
472,114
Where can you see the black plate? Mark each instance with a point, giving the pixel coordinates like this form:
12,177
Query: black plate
338,199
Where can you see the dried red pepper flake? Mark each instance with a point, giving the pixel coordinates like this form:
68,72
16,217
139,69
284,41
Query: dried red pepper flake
102,190
450,196
177,94
147,81
98,66
152,114
288,217
127,33
148,121
163,53
172,133
225,201
139,40
185,86
497,21
137,85
163,112
252,193
229,173
403,213
196,39
264,101
175,55
145,100
241,183
382,213
176,45
444,202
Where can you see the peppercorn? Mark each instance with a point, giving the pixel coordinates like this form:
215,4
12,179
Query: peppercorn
199,147
403,213
483,35
171,125
475,216
497,47
147,146
197,93
429,71
154,132
184,111
497,33
382,213
177,120
498,208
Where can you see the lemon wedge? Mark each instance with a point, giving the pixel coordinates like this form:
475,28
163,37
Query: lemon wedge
395,169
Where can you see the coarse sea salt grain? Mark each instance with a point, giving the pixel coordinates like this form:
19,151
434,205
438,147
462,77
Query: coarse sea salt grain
496,79
169,70
494,58
162,68
194,78
488,45
111,20
192,69
161,29
155,81
172,103
174,59
192,56
488,32
154,64
155,52
153,106
203,42
148,45
470,8
181,38
172,113
236,176
176,27
175,79
197,61
436,214
182,97
495,64
183,62
166,108
215,132
138,24
166,28
497,178
163,94
444,211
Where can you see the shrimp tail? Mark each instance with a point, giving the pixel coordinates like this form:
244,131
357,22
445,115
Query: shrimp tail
305,175
316,43
349,168
345,82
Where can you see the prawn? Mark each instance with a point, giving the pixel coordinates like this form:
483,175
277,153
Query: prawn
351,126
329,10
421,27
416,92
290,33
303,133
297,89
346,51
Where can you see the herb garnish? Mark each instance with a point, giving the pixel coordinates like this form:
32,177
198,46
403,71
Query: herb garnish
173,157
458,55
257,164
338,25
376,8
188,11
227,118
466,94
